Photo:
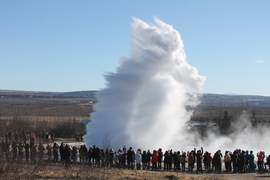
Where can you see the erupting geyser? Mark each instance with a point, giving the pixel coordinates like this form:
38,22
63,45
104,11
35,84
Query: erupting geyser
144,103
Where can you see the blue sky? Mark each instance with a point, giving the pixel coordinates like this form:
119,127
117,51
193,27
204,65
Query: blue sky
68,45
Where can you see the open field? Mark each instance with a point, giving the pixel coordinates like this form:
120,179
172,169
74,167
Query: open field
49,111
213,112
45,113
54,110
45,106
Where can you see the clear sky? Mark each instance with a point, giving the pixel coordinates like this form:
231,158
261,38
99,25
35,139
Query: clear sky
68,45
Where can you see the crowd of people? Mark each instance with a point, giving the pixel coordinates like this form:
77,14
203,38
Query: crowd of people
31,150
238,161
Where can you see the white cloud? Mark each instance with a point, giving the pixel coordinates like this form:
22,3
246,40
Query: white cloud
259,62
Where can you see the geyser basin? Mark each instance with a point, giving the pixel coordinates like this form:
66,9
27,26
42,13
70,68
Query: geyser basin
144,103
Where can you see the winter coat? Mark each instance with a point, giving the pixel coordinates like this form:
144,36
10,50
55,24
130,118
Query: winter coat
190,158
138,157
183,158
260,156
208,159
227,158
155,157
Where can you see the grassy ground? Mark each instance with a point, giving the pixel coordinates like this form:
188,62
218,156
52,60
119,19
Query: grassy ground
11,170
45,170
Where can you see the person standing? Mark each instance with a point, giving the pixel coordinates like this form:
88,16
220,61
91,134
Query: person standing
121,155
130,158
55,152
144,160
148,160
154,160
41,150
160,156
183,161
49,151
138,158
67,152
20,149
14,150
74,154
62,152
227,161
260,156
190,162
251,161
199,156
27,151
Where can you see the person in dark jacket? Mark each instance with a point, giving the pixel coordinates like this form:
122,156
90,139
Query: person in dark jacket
160,156
130,158
144,160
175,161
170,159
33,152
111,157
148,155
242,160
166,161
74,154
267,163
199,156
235,159
217,161
20,150
90,156
62,152
67,152
55,152
14,150
27,151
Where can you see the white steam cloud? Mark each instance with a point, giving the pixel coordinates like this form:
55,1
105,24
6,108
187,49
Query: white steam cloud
144,103
243,136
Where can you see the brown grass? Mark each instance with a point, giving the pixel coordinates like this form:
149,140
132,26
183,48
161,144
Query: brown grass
59,171
45,170
54,110
48,170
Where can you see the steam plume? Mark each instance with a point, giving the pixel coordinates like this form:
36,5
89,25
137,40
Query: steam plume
243,136
144,103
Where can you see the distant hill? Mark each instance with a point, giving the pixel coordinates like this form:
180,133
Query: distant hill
45,94
206,99
235,100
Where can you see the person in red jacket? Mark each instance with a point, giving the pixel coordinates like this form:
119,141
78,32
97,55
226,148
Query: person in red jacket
208,159
154,160
190,161
260,156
